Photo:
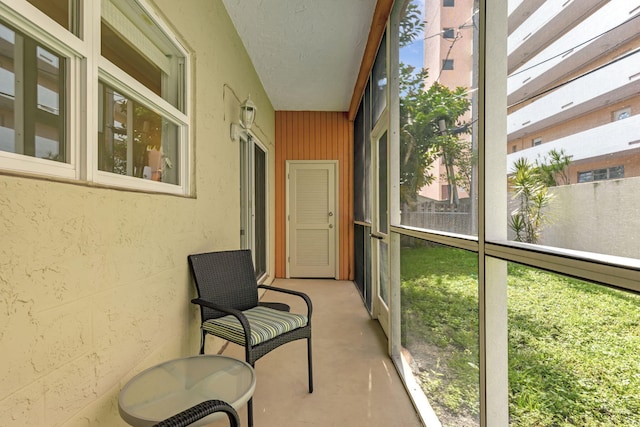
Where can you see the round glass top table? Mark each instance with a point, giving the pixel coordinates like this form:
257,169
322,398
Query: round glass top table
174,386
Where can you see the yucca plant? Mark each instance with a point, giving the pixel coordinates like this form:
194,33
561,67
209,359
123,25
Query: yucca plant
532,193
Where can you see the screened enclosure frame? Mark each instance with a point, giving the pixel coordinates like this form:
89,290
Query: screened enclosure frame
493,248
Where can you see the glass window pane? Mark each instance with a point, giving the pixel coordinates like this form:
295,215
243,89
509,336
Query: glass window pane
359,174
49,126
362,159
64,12
260,200
447,64
121,53
438,143
439,327
379,82
32,98
383,272
132,41
362,262
573,351
136,141
573,84
7,89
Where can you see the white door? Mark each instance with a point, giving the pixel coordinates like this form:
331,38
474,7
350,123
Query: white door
312,221
380,229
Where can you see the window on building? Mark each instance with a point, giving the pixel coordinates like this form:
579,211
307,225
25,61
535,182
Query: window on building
448,3
514,148
142,127
536,141
444,192
447,64
32,97
621,114
140,134
614,172
448,33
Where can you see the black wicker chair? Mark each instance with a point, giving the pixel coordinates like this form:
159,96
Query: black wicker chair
228,300
201,410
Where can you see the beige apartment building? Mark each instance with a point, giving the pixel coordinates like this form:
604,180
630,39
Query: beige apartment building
449,57
573,85
571,80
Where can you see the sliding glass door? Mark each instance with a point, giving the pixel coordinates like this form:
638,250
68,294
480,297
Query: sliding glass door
253,201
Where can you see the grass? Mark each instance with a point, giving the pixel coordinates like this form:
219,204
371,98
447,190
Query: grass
440,310
573,346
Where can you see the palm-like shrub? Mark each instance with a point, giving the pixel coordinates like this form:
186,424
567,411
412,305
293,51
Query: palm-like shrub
532,193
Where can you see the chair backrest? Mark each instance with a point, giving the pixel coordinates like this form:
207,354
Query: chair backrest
225,278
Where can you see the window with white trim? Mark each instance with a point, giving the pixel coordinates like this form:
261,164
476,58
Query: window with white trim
140,139
32,87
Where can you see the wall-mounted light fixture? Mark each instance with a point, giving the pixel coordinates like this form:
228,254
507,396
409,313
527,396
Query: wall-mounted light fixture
247,113
247,118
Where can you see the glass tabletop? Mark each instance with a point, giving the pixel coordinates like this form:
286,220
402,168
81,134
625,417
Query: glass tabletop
173,386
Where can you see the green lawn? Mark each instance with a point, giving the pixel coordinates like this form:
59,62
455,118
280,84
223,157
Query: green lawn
573,346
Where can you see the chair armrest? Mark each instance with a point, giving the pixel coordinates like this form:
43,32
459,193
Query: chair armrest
199,411
232,311
302,295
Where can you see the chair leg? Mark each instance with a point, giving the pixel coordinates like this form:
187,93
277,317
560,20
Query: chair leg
250,402
310,365
202,339
250,412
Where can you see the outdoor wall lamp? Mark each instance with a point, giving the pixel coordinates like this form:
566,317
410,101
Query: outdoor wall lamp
247,118
247,113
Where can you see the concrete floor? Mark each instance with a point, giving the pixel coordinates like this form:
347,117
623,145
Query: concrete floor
355,382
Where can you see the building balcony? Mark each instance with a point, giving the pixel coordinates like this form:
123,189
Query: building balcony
543,26
601,87
520,10
612,138
573,50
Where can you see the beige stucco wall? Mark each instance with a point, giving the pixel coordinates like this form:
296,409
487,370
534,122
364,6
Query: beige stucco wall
599,216
94,283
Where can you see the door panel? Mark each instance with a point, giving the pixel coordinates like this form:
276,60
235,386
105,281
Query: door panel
312,218
380,230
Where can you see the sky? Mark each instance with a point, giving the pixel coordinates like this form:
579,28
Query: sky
413,54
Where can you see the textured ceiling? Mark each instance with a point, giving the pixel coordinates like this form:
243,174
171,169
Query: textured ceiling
307,53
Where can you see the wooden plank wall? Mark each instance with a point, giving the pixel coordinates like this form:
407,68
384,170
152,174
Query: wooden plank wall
316,135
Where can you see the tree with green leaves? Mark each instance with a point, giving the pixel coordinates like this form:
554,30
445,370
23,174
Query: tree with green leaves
553,167
422,141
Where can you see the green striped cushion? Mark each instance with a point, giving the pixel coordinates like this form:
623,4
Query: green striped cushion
266,323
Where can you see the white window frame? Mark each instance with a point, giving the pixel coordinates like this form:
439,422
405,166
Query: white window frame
84,67
47,32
